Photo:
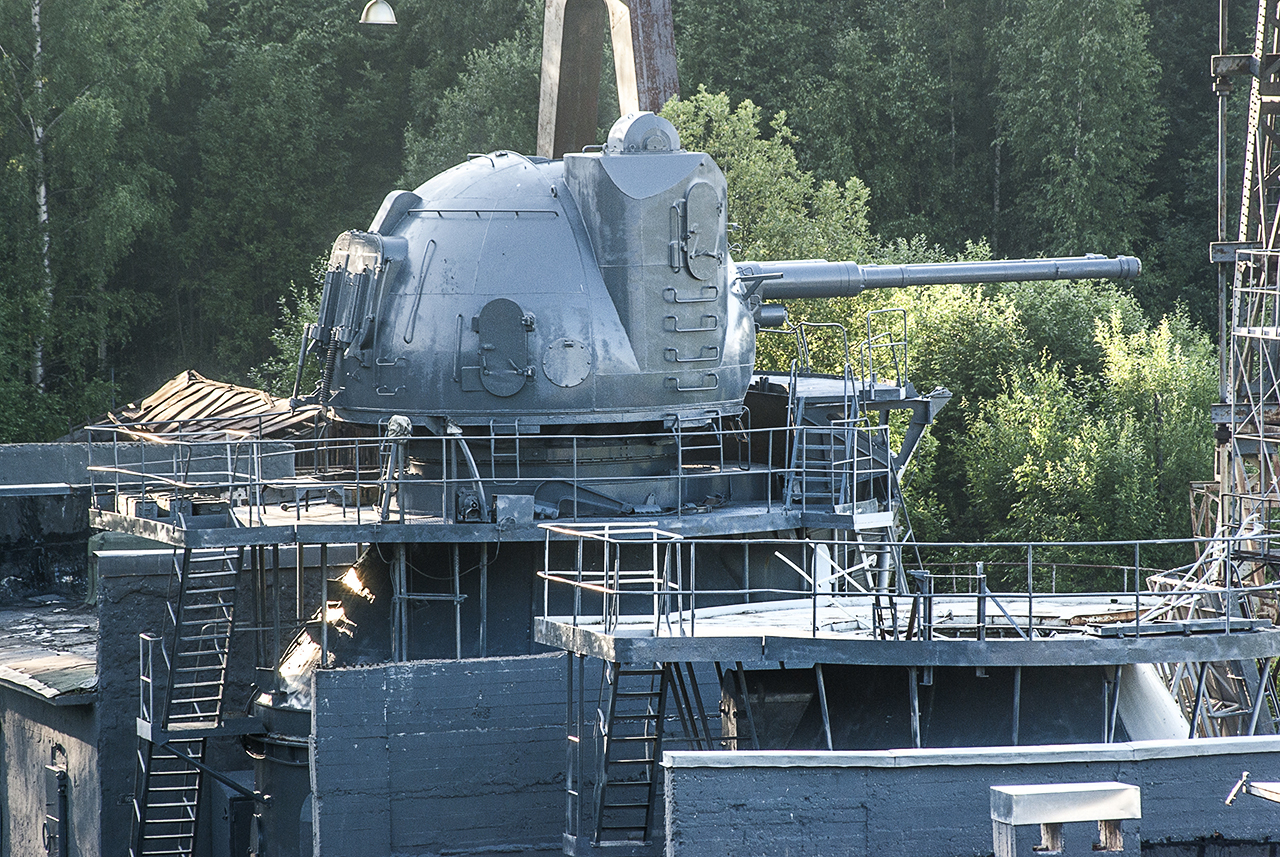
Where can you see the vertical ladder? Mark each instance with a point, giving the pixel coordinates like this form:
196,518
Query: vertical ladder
504,448
173,728
627,773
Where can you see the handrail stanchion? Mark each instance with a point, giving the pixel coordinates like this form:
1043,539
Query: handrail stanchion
359,490
1228,573
577,590
679,469
982,602
1137,590
444,480
693,586
768,468
1030,589
813,584
657,581
928,627
324,606
1226,565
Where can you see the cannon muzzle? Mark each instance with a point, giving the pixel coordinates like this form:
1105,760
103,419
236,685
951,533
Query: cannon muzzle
818,278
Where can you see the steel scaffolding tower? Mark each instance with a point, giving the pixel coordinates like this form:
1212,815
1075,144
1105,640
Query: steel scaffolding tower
1249,414
1240,505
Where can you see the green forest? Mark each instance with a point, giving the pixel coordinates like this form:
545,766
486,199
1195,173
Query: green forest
175,170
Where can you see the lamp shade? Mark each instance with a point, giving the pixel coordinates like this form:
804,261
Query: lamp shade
377,12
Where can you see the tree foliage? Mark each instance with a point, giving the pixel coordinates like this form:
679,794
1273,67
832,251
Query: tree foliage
1078,114
79,81
1033,126
1073,417
494,105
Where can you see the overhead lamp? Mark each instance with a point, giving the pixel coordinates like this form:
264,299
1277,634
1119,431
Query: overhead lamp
378,12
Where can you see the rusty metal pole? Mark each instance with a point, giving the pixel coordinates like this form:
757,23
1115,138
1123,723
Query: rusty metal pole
644,51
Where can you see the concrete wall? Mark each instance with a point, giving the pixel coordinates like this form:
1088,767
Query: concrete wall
936,803
37,463
44,534
433,756
44,544
30,732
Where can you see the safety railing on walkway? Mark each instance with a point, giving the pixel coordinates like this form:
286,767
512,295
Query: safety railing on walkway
192,478
649,579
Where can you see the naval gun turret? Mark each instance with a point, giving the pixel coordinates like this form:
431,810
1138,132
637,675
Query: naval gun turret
592,297
594,290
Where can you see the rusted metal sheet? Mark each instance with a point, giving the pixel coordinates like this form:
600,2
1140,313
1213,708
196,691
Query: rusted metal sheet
192,403
644,53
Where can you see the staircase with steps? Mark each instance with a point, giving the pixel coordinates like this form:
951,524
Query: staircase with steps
182,701
632,731
504,449
821,457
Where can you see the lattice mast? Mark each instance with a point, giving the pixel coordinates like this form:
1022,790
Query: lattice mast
1249,420
1239,507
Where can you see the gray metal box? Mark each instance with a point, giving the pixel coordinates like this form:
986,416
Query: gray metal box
515,508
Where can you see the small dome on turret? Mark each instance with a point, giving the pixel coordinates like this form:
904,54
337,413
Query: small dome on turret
642,132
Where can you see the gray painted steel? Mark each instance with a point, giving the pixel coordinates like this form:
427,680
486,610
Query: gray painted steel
597,289
727,521
503,289
820,279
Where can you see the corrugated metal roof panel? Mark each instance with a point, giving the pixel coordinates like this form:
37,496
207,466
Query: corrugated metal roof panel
191,403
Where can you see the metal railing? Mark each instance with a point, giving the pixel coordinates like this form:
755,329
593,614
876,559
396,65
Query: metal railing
840,466
647,578
134,472
883,355
148,643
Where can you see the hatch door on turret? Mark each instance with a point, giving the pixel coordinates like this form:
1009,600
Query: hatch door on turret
501,363
703,230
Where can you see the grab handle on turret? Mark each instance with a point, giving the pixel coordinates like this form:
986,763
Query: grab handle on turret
818,278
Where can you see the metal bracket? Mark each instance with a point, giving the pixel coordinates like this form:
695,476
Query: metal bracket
1223,65
1227,251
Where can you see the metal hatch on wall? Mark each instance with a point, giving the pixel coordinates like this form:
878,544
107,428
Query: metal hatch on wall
502,357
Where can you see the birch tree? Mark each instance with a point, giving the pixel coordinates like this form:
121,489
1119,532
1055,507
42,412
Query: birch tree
78,80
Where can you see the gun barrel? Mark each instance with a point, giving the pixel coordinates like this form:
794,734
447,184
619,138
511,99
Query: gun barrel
818,278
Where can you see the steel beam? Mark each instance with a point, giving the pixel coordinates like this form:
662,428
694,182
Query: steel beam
644,53
1080,651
